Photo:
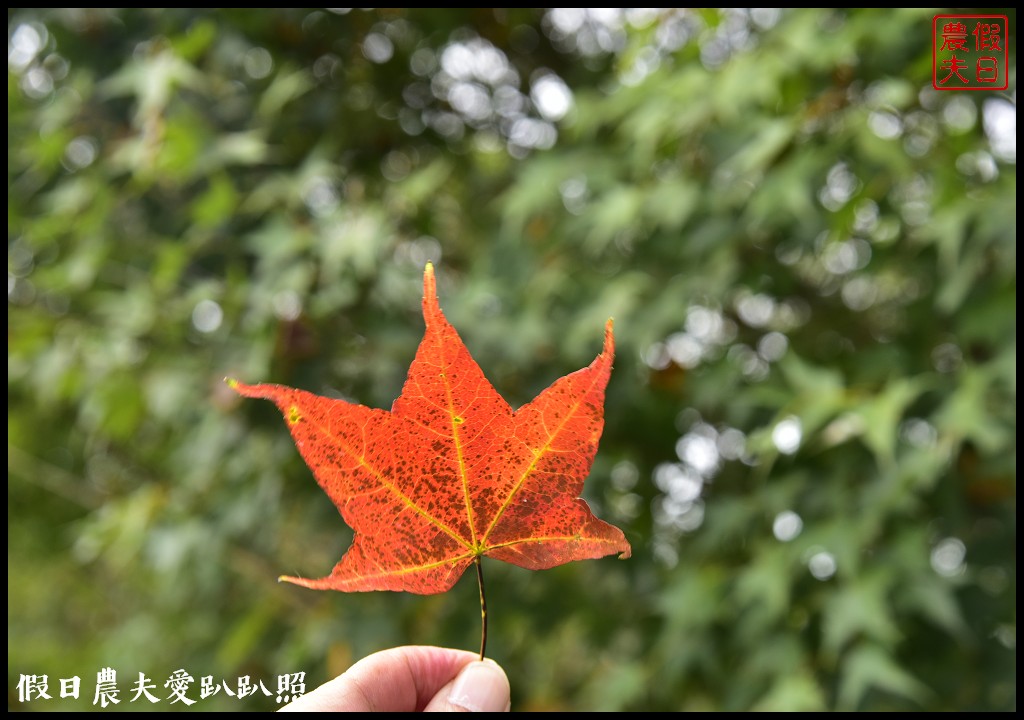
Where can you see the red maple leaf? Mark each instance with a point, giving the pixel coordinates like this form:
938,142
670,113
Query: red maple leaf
452,473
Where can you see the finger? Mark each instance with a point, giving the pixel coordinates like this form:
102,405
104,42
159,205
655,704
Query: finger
479,687
400,679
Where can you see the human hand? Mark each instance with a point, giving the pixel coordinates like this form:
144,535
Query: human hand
412,678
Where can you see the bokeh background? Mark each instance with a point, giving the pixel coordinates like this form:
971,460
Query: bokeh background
809,253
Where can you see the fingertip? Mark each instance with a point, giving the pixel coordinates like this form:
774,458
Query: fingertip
481,686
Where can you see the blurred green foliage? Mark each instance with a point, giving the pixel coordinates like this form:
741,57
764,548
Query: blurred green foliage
810,256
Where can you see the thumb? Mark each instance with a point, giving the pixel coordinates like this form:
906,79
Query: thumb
479,687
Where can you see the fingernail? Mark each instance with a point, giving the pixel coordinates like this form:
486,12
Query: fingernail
481,687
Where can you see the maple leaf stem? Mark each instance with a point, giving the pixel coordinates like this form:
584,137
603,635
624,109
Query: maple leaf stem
483,605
